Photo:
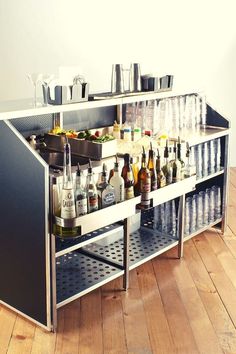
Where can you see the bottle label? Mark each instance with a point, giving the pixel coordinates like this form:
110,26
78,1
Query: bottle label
67,204
81,207
145,188
93,202
108,199
129,192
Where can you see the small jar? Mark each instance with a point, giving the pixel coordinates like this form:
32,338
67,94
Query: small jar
127,133
137,134
116,130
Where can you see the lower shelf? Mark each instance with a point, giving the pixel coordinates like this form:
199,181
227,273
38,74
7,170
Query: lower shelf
188,237
78,274
145,244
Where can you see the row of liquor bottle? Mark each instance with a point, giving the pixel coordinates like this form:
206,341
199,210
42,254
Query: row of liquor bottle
132,181
202,209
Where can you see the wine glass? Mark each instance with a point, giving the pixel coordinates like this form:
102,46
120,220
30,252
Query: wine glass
34,79
46,79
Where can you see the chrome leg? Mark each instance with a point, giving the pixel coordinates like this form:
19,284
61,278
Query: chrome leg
126,253
54,286
225,186
181,222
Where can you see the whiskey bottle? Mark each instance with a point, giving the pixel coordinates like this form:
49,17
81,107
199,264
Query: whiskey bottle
152,168
167,168
177,167
92,195
144,183
161,179
80,195
118,183
127,174
106,192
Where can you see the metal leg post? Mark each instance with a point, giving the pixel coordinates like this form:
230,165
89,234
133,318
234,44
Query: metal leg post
126,253
181,225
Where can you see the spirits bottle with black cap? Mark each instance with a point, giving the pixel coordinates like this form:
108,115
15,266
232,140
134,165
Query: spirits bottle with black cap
152,168
144,183
80,195
92,194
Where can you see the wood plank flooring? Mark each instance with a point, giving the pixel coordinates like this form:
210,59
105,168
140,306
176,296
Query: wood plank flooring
173,306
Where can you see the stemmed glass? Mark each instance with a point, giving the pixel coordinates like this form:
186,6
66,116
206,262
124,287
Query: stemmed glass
46,79
34,79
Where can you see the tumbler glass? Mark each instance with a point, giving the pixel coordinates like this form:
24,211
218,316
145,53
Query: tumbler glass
205,159
117,79
200,212
211,199
218,154
135,77
212,156
217,202
193,214
198,156
205,207
187,216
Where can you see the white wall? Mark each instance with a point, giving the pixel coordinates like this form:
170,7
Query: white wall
194,40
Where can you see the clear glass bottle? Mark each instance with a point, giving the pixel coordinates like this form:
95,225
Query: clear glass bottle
161,179
190,169
167,168
144,182
67,210
127,174
152,168
92,194
176,166
180,158
80,195
106,192
118,183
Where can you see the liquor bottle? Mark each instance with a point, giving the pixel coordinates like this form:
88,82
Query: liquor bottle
190,169
67,210
167,168
127,174
179,157
80,195
177,166
161,179
118,183
144,182
92,194
106,192
152,168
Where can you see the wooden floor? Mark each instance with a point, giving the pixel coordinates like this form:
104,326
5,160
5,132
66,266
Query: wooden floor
172,306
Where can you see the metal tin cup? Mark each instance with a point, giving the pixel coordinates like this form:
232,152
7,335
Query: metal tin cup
135,77
117,79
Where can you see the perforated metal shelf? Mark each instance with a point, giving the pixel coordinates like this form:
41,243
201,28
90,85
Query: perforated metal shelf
65,246
78,274
145,244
